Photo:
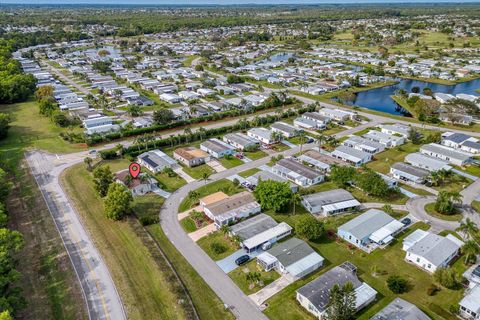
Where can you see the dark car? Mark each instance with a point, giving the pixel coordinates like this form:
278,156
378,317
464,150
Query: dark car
406,221
243,259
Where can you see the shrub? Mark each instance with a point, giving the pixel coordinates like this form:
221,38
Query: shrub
432,290
397,284
447,277
217,247
149,220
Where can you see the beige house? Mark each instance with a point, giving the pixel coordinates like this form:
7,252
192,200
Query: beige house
191,156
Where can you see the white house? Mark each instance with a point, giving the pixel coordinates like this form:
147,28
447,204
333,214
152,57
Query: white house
331,202
296,172
261,134
430,251
240,141
451,155
288,131
351,155
406,172
156,161
363,144
370,230
425,162
216,148
470,304
396,129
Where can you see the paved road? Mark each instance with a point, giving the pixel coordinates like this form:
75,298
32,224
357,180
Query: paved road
66,79
101,297
416,207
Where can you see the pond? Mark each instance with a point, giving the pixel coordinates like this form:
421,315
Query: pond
379,99
279,57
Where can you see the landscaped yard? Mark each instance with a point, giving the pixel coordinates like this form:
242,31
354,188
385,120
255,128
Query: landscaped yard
146,290
198,171
147,207
453,183
387,262
230,162
217,245
188,225
239,276
255,155
332,129
278,147
223,185
430,208
417,191
248,173
170,183
384,160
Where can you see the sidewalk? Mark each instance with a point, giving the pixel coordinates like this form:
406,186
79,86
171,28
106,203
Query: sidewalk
269,291
200,233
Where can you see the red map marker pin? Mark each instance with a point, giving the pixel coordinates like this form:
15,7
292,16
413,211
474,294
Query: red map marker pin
134,169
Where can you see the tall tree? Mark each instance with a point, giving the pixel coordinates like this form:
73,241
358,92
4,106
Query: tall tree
342,302
273,195
118,201
102,178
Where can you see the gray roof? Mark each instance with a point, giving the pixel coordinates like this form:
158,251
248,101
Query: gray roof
328,197
359,140
472,144
284,127
457,137
299,168
215,145
446,151
366,224
291,251
318,290
400,309
157,158
421,159
240,138
414,171
267,175
253,226
315,116
434,248
352,152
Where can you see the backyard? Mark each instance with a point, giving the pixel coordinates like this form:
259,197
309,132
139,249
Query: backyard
239,276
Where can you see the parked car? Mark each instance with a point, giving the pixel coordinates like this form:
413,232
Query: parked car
242,259
406,221
239,155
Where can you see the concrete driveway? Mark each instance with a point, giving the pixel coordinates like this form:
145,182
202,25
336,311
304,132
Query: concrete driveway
228,264
272,289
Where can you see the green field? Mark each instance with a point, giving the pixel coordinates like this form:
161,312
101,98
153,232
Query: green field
255,155
145,294
384,160
248,173
417,191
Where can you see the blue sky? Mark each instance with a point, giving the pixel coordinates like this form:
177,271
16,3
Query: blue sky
219,2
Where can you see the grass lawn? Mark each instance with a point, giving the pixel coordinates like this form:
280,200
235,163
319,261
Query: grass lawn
430,208
454,183
417,191
206,302
278,147
471,169
476,206
255,155
168,183
31,130
198,171
146,290
332,129
248,173
188,225
223,185
148,206
217,237
384,160
388,261
230,162
239,277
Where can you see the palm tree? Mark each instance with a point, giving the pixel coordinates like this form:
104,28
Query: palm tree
470,249
296,199
225,229
205,177
455,196
468,228
320,140
187,133
302,137
435,178
193,195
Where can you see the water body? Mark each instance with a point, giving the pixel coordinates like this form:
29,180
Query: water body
379,99
279,57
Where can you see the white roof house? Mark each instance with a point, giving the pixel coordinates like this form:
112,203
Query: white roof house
240,141
430,251
261,134
294,258
351,155
451,155
400,309
370,230
330,202
406,172
470,304
216,148
398,129
288,131
170,97
156,161
297,172
423,161
271,236
385,139
363,144
337,114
